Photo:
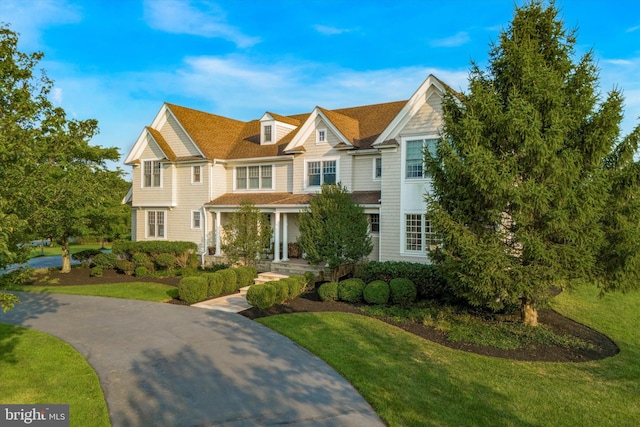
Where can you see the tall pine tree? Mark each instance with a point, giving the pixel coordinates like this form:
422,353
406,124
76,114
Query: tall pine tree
532,185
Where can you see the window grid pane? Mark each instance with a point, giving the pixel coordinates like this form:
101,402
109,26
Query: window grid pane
152,223
267,133
413,232
329,172
241,177
266,176
314,173
196,174
160,216
378,172
156,174
147,174
414,159
196,220
254,176
374,220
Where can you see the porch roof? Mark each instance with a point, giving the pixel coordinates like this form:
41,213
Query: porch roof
261,199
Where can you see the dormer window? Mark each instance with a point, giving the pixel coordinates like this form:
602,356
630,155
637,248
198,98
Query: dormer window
267,133
321,136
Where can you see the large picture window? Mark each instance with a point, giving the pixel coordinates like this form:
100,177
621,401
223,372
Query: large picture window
322,172
156,224
254,177
419,234
414,163
152,173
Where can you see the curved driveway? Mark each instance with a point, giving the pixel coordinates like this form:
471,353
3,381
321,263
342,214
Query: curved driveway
169,365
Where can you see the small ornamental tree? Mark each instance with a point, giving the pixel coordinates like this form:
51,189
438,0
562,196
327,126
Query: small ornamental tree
246,235
532,185
334,229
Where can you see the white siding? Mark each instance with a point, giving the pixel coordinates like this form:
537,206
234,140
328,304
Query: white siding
363,174
177,138
427,119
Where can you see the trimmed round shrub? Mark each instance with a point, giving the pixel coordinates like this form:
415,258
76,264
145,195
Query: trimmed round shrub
141,272
125,266
165,261
193,289
328,291
142,260
262,296
296,284
282,290
403,291
245,276
85,257
350,290
230,280
215,282
96,271
105,261
376,292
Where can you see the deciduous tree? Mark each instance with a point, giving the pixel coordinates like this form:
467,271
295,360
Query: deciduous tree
246,234
532,185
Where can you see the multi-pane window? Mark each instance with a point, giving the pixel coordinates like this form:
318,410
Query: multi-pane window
254,177
377,167
151,171
196,175
195,219
267,133
155,224
414,164
374,221
321,135
322,172
413,232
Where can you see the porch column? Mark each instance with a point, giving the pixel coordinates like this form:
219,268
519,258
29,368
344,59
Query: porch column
218,230
276,235
285,238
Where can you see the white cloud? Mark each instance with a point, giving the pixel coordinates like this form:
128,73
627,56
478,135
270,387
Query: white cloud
56,96
632,29
618,61
203,19
330,31
29,17
457,39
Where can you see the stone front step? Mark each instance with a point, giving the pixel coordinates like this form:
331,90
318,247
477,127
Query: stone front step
264,278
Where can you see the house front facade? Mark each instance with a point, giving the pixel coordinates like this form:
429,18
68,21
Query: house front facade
190,169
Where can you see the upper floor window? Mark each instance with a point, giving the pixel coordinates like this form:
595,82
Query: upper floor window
152,171
254,177
377,168
321,172
267,133
196,176
414,156
374,222
155,224
321,136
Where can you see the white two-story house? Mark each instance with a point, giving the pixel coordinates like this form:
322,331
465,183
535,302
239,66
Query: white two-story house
191,169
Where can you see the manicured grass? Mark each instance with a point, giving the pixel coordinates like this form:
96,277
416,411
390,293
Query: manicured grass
413,382
38,368
143,291
36,251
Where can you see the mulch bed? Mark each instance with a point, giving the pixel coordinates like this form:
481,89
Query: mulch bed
602,346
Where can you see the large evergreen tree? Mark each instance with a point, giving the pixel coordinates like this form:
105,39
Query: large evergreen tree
532,185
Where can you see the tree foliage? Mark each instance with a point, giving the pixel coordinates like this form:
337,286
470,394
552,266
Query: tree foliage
532,185
246,235
334,229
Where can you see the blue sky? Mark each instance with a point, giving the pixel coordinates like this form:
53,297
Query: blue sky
118,60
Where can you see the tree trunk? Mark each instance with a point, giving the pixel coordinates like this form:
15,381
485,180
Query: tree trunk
529,313
66,258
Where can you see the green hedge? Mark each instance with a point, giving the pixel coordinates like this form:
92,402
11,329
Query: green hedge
403,291
125,248
282,290
262,296
215,284
328,291
376,292
193,289
230,280
105,261
350,290
246,275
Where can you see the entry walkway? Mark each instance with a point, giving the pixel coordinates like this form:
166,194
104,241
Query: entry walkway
171,365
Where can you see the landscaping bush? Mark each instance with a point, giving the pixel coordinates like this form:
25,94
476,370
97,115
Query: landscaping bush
350,290
142,260
125,266
262,296
429,283
165,261
282,290
96,271
376,292
403,291
212,268
230,280
215,283
245,276
105,261
297,285
193,289
328,291
126,248
141,272
310,282
86,256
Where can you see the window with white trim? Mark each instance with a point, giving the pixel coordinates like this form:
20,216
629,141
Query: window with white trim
156,224
259,177
377,168
267,133
196,174
374,223
419,234
321,136
414,156
195,219
322,172
152,170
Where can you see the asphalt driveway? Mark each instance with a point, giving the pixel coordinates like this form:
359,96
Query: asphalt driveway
169,365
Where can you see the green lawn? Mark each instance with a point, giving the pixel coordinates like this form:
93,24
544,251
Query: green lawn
143,291
38,368
413,382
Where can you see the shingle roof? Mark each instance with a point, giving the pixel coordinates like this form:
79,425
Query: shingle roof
262,199
162,143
